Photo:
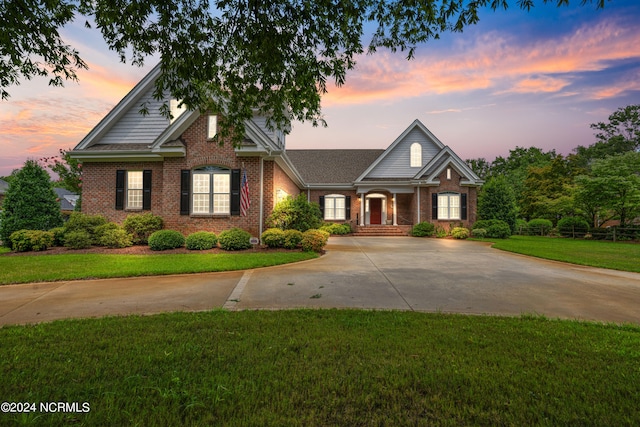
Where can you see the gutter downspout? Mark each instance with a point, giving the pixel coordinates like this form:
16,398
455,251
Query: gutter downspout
260,225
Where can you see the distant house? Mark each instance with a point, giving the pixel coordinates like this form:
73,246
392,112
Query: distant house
67,199
134,163
4,186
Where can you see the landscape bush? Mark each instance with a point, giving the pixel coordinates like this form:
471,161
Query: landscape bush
234,240
479,233
337,229
31,240
115,237
314,240
539,226
460,233
163,240
423,229
142,226
496,229
292,239
58,236
78,239
86,223
201,241
295,213
571,226
273,238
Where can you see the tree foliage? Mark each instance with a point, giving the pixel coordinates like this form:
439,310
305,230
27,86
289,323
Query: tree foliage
497,201
29,203
69,171
614,185
233,56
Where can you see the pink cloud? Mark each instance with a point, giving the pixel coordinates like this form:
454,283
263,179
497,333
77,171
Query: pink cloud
493,61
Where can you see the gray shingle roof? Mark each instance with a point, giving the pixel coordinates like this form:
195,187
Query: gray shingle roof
332,166
4,186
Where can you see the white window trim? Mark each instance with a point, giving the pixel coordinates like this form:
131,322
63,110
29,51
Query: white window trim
214,208
176,109
334,213
134,194
212,126
416,155
448,210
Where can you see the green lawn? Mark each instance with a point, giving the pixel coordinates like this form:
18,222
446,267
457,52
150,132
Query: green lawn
324,368
594,253
42,268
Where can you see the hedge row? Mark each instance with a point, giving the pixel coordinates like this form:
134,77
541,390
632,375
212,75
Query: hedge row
310,240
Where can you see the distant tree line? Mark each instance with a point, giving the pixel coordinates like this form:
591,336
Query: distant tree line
599,182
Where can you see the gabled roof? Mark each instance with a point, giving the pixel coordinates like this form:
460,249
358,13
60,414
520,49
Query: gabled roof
66,198
331,166
388,153
165,138
447,158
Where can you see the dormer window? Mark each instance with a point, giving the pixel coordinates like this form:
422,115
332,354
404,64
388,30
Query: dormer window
416,155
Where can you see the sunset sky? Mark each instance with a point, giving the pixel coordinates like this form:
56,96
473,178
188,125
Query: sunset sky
518,78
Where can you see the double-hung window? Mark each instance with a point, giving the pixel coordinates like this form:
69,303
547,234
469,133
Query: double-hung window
448,206
335,207
134,189
211,191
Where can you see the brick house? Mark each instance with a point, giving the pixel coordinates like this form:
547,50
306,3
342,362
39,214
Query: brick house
134,163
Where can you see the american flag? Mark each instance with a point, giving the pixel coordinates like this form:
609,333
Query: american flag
245,201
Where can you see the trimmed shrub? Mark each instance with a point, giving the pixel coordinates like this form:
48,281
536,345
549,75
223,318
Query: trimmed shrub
58,236
201,241
521,226
273,237
101,229
162,240
78,239
87,223
115,237
338,229
480,233
496,228
292,239
423,229
295,213
142,226
540,226
571,226
314,240
31,240
234,240
460,233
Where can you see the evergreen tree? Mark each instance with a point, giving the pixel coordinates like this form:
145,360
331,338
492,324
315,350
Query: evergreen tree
497,201
30,202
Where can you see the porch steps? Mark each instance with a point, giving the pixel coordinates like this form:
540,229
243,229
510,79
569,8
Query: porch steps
380,230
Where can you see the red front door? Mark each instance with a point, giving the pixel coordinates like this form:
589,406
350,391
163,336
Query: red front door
375,211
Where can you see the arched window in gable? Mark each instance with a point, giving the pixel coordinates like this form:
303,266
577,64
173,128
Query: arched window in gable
416,155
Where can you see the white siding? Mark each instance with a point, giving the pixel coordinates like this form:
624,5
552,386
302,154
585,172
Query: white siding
134,128
397,163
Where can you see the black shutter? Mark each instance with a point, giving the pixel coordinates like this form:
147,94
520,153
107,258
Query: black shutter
463,206
434,206
235,191
347,204
120,189
185,191
322,205
146,190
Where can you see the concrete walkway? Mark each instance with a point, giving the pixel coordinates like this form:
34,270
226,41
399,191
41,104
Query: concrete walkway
373,273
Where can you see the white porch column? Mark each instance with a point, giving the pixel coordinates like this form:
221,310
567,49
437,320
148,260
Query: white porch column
395,210
418,203
362,202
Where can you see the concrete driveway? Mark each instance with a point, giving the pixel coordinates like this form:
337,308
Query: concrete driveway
369,272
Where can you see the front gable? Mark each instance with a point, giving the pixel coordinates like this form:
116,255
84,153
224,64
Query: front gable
395,161
446,158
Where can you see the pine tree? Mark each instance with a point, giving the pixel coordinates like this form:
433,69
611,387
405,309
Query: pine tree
30,202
